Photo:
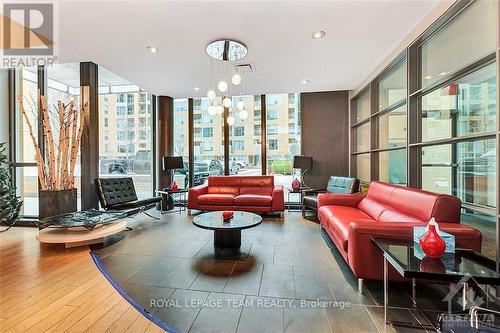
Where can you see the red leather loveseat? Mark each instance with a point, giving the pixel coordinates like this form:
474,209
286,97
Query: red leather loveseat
387,211
244,193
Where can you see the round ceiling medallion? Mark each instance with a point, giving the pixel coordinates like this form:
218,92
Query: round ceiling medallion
227,50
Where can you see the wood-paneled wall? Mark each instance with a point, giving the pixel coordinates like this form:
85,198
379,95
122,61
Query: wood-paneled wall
325,135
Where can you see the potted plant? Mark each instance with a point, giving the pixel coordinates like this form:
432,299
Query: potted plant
63,126
9,201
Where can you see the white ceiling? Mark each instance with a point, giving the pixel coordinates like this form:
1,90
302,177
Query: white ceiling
360,34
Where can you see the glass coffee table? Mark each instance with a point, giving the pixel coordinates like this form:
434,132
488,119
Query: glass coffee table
463,267
227,234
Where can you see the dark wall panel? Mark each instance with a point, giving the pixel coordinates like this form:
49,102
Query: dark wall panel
325,135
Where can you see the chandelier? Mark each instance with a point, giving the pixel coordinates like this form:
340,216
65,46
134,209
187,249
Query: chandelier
225,51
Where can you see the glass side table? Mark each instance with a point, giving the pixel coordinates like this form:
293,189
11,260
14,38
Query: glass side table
178,197
463,267
293,206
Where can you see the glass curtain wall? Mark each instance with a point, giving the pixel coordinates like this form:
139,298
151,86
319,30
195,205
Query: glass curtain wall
26,173
245,137
208,142
283,130
181,141
361,133
125,132
391,126
452,106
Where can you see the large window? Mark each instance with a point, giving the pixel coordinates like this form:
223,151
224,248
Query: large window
26,175
181,141
466,106
283,136
458,119
208,149
391,124
467,38
125,137
361,130
245,137
464,169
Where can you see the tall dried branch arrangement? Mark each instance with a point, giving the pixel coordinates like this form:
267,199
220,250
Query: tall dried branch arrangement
62,127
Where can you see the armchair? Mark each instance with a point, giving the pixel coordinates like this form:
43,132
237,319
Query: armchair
344,185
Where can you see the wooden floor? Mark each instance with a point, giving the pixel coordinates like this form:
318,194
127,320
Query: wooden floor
51,289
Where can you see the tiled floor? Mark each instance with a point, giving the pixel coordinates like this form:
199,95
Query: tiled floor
270,285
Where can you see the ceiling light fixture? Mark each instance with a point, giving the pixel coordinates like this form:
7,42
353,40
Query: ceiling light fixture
318,34
196,88
152,49
305,81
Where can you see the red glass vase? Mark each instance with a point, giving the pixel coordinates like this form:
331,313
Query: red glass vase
432,265
296,184
227,215
432,244
174,187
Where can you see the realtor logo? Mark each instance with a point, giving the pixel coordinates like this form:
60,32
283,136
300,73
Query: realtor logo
29,34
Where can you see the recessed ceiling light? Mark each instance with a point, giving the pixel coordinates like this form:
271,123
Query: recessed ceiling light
196,88
305,81
152,49
428,77
443,73
318,34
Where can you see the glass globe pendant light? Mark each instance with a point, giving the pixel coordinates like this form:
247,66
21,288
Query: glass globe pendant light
211,94
243,114
236,79
212,110
222,86
219,109
230,120
226,102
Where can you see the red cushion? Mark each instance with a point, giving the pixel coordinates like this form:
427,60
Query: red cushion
391,215
340,217
372,207
216,199
253,200
257,190
259,181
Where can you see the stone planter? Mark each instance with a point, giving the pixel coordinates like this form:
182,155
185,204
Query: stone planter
52,203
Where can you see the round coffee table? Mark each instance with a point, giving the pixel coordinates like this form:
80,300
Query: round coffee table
227,234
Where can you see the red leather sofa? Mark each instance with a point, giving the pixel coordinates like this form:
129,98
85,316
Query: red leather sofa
387,211
244,193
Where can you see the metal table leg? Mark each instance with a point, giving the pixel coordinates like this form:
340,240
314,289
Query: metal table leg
386,295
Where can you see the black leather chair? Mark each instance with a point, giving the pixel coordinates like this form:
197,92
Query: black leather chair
119,194
345,185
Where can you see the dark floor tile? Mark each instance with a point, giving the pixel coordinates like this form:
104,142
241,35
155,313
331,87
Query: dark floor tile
154,272
183,274
245,278
398,296
262,253
182,308
209,251
272,237
214,276
353,319
219,319
148,296
277,281
311,283
397,314
260,314
123,266
298,318
286,254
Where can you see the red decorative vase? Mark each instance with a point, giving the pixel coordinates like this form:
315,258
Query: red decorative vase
174,187
227,215
296,184
432,244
